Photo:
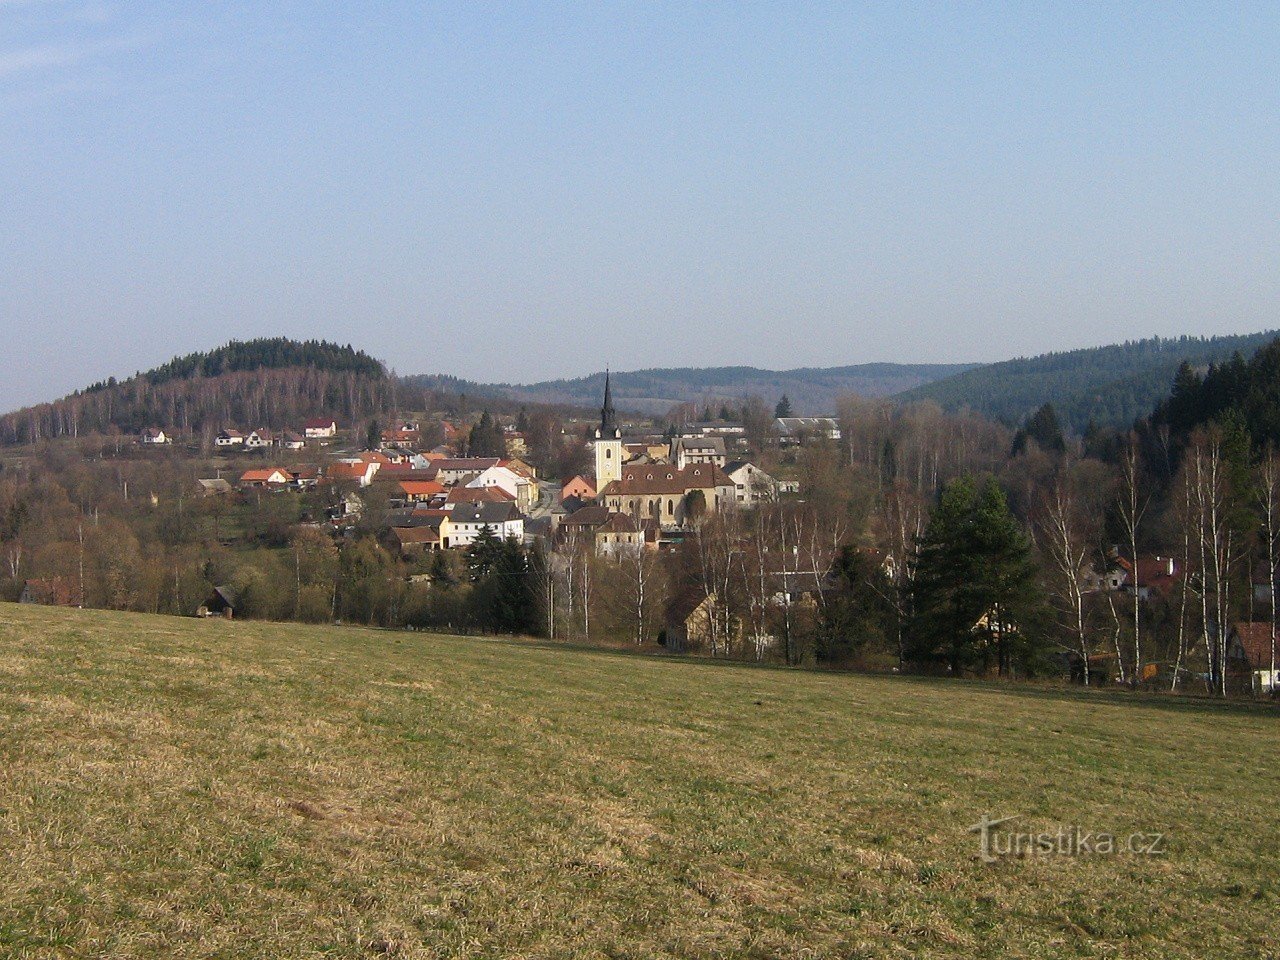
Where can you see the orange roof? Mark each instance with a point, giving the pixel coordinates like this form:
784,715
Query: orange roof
261,475
347,471
421,488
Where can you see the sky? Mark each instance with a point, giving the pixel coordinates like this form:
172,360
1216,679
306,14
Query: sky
520,191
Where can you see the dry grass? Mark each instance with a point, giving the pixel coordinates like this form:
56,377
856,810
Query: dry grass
202,789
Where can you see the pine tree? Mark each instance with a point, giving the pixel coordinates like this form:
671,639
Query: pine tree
783,409
975,599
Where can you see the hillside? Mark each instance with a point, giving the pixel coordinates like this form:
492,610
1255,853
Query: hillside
182,788
812,390
271,382
1113,385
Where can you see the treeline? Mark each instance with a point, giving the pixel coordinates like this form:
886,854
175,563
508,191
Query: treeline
1110,386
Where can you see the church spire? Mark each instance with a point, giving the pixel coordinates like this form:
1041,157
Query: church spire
607,425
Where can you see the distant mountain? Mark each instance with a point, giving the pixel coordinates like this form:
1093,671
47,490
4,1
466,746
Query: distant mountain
1113,386
811,390
271,382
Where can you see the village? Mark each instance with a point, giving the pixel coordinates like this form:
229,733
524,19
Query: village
647,491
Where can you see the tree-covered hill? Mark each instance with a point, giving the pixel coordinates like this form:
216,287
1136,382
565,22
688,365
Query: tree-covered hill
1112,386
272,382
811,390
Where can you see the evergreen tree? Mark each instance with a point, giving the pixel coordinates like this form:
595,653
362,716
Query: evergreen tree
975,599
482,555
1042,427
486,438
783,409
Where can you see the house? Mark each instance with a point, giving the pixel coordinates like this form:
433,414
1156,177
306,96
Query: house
686,451
691,623
265,477
469,496
260,438
323,428
751,484
524,490
669,495
1156,575
304,478
579,487
419,491
360,472
422,538
229,438
214,487
462,470
796,430
520,466
220,603
154,436
620,535
1249,653
50,592
503,519
292,441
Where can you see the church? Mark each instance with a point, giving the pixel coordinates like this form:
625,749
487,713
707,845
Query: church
673,497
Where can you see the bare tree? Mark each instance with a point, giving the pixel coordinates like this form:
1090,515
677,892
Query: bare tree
1269,493
1066,536
1133,507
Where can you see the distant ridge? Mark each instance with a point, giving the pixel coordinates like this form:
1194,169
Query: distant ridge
1112,386
811,390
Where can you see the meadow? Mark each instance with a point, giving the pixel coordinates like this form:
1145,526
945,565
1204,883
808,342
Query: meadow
183,788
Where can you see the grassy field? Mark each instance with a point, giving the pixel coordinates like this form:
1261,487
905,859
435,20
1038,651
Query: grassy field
174,788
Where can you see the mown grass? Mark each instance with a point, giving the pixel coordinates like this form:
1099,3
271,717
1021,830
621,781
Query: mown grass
175,788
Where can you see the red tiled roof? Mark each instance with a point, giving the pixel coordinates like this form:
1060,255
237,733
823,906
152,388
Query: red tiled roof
660,478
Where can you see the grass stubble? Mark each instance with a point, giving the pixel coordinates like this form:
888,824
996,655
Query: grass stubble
179,788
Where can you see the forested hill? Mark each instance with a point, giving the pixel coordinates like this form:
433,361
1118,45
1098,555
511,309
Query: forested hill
811,390
272,382
1113,386
268,353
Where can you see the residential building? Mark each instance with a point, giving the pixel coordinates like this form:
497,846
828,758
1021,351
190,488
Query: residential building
154,436
265,477
751,484
686,451
503,519
320,429
259,438
229,438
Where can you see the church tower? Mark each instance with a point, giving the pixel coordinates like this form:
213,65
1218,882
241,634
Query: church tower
608,443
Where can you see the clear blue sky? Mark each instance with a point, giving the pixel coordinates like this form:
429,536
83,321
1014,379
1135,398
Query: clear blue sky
518,191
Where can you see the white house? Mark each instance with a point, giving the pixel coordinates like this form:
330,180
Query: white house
258,439
504,478
466,522
229,438
155,436
292,441
320,429
751,484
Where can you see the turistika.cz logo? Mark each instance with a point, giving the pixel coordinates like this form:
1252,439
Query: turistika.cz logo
995,843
